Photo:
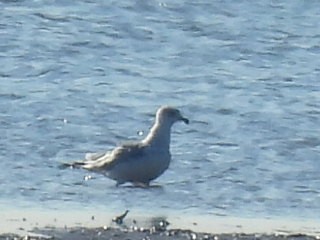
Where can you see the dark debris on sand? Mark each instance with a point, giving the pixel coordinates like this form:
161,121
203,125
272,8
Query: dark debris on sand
157,232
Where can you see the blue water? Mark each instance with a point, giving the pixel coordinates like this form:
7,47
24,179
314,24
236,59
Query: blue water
83,76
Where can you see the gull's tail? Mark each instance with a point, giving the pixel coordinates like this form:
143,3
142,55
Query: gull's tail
77,164
91,161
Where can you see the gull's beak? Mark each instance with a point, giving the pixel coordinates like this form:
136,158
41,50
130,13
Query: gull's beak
185,120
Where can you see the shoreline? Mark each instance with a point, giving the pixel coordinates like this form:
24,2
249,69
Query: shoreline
145,234
71,224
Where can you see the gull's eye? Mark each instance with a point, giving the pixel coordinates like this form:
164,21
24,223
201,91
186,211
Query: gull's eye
173,113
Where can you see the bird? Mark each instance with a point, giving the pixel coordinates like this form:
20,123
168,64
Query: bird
137,162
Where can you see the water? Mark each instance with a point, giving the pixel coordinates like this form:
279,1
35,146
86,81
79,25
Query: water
83,76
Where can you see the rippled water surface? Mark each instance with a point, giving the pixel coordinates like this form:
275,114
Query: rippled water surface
82,76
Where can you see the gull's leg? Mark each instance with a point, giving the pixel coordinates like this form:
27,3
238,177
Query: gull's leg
141,184
119,183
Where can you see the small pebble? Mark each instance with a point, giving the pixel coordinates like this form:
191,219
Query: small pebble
26,237
193,236
206,237
105,228
153,230
87,177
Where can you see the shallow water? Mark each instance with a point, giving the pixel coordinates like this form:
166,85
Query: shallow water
82,77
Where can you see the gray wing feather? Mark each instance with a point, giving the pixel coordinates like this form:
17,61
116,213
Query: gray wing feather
121,154
94,156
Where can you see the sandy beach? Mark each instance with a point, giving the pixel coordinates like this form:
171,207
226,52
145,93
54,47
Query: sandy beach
135,234
80,225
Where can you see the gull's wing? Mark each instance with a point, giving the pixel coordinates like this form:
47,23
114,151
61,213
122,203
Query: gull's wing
95,156
121,154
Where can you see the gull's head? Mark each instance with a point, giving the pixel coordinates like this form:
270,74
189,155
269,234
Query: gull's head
170,115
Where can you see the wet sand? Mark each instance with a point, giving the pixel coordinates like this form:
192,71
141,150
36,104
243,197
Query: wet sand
31,224
141,233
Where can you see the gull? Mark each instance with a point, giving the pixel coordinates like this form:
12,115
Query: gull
140,162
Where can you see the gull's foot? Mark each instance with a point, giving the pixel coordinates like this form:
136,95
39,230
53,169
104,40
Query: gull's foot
141,184
119,183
